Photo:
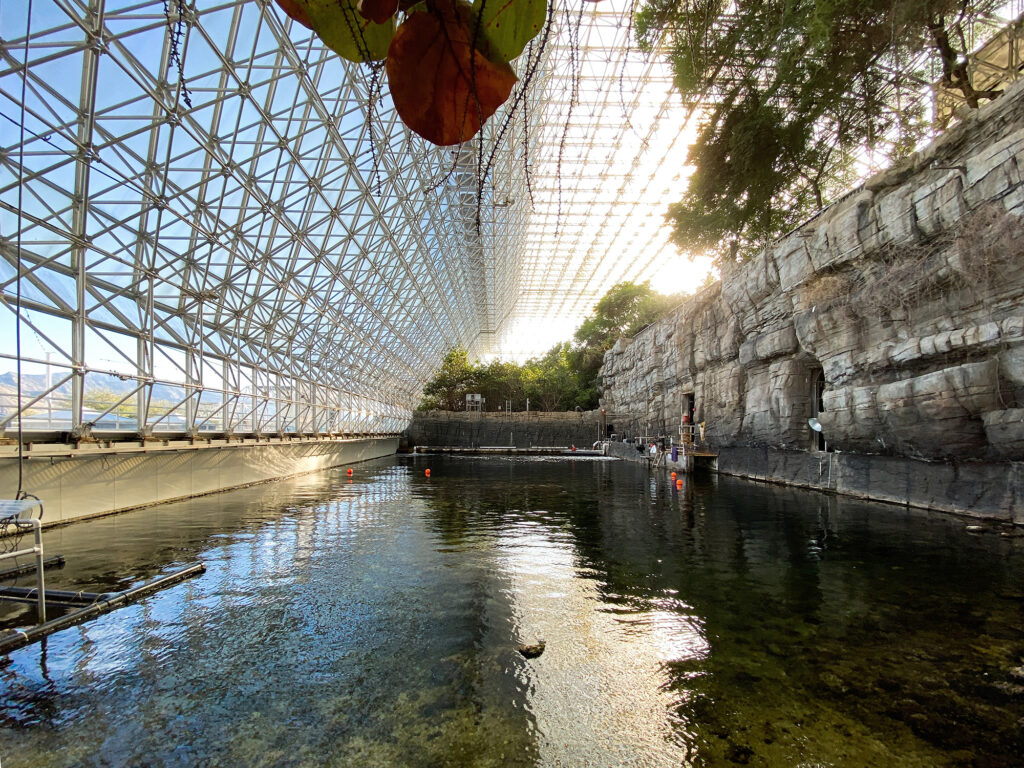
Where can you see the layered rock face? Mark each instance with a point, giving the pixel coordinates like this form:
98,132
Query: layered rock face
896,318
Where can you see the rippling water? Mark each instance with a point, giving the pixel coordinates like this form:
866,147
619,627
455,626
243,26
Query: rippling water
374,622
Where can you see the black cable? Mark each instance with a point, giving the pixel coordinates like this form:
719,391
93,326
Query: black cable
17,286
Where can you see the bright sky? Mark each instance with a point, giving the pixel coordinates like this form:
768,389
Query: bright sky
602,182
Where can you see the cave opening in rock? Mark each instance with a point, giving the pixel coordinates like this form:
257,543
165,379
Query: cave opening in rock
818,442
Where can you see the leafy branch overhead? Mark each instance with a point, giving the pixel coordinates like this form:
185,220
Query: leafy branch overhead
447,61
792,94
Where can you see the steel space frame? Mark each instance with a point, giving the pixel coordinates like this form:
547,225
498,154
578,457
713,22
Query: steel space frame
211,224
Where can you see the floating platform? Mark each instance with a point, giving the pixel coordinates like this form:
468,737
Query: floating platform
507,450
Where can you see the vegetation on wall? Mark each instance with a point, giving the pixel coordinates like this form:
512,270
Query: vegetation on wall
793,94
566,376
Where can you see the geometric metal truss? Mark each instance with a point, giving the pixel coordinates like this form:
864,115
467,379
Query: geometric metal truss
211,223
609,155
992,65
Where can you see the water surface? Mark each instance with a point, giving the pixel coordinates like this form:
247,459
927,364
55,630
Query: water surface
375,622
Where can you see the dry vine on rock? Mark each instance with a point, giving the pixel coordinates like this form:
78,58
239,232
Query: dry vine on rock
990,245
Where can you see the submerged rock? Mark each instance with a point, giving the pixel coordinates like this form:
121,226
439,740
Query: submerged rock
739,754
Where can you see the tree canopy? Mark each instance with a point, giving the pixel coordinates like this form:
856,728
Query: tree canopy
548,382
792,93
447,390
622,312
562,379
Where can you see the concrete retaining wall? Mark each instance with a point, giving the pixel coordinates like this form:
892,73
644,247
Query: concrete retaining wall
522,430
972,488
96,479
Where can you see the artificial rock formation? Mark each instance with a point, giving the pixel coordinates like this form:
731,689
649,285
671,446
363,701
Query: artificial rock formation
896,317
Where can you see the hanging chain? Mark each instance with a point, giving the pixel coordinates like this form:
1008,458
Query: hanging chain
177,28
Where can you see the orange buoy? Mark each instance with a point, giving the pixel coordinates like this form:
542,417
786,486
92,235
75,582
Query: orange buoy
427,473
673,475
350,471
679,483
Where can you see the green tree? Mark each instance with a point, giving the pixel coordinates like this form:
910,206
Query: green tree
500,381
622,312
550,381
565,377
793,91
447,390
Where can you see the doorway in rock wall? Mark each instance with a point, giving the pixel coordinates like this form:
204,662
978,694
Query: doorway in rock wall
818,442
686,420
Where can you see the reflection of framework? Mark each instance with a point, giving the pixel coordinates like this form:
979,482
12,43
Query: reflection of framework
994,65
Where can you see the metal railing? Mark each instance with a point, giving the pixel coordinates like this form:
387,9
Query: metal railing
17,514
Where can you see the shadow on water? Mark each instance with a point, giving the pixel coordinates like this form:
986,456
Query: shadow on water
375,622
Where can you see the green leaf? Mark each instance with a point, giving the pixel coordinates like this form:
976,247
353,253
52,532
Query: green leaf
344,31
508,25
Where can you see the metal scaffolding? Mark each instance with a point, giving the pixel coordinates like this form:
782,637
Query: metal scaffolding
213,224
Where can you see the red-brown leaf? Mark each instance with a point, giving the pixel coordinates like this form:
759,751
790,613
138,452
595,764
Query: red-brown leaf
295,11
443,88
377,11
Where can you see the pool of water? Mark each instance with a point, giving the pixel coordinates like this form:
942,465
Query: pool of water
375,622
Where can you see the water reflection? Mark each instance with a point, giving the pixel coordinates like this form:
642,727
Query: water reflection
596,693
375,622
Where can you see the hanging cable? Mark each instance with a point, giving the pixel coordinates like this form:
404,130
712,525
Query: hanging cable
17,283
11,529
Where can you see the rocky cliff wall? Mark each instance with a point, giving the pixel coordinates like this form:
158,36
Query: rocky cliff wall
896,317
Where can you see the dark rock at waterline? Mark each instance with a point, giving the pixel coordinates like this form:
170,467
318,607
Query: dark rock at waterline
532,651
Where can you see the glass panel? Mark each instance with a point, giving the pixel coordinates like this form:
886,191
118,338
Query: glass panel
108,403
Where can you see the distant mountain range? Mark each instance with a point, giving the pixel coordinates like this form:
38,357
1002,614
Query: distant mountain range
35,383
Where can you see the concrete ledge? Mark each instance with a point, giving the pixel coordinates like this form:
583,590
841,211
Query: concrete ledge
97,479
972,488
518,429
